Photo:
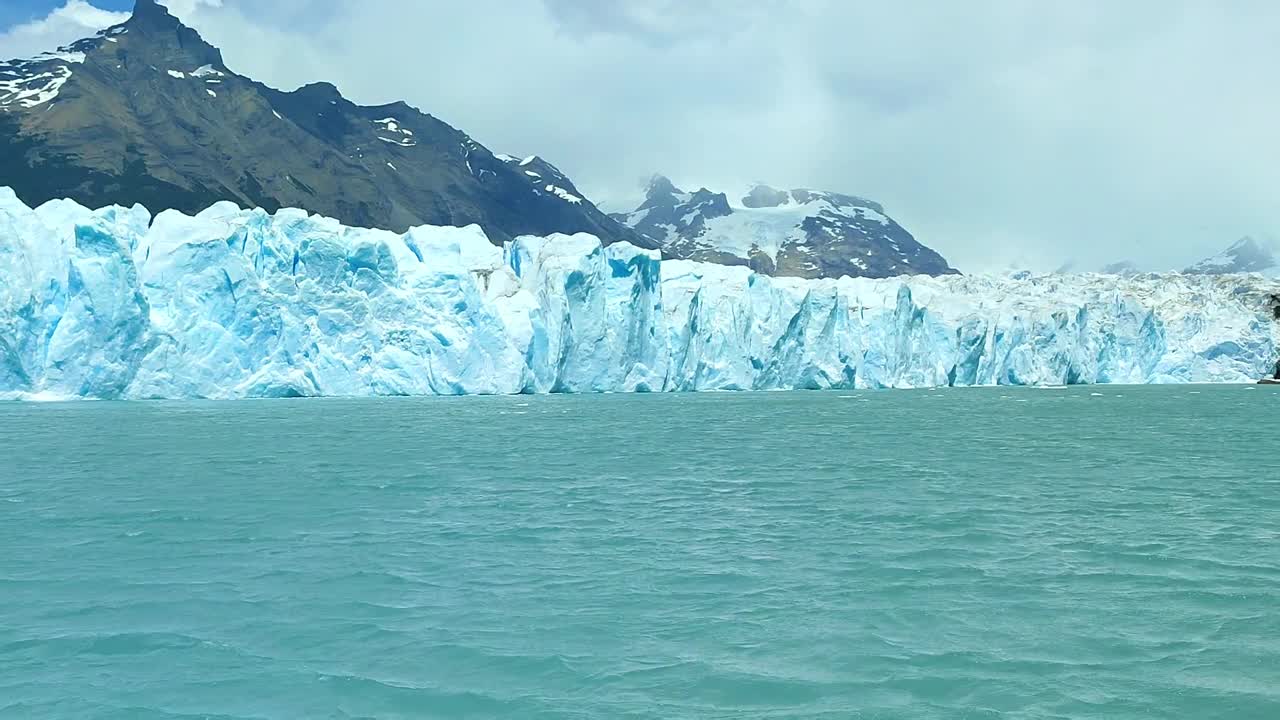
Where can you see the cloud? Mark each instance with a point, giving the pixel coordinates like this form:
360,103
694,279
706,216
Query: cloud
661,22
74,20
185,8
1000,131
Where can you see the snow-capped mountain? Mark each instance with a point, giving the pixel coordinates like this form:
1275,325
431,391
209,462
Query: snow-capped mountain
236,303
148,112
1248,254
793,233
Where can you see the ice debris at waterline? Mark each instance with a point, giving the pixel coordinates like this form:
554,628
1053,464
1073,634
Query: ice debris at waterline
233,304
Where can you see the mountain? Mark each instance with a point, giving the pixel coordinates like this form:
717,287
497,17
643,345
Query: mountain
1248,254
147,112
794,233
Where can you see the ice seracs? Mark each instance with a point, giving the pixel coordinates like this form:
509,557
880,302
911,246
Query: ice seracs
236,303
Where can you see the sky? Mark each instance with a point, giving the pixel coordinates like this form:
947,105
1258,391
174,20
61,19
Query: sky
1000,132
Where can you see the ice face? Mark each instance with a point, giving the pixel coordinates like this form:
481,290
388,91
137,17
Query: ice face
233,303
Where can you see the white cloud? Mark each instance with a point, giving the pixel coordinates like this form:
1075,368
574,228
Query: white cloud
185,8
73,21
999,131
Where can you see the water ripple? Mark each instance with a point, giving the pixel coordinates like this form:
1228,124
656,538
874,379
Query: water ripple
979,554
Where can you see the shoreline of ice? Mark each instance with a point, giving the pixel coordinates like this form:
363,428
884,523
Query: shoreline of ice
109,304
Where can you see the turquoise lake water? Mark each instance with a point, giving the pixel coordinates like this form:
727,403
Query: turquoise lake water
988,553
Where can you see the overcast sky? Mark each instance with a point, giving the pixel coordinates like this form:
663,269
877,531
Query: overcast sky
999,131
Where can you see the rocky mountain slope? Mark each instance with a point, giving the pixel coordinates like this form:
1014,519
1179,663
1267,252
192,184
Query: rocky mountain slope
1248,254
148,112
793,233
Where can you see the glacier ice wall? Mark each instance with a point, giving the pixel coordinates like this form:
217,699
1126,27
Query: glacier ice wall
232,303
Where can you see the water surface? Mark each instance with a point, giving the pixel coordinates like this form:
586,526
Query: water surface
1085,553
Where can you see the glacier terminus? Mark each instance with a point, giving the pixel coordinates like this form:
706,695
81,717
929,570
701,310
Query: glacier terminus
232,303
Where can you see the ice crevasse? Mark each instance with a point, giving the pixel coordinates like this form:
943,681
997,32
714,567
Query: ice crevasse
235,303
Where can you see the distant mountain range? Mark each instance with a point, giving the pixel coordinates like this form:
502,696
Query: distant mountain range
1248,254
148,112
798,233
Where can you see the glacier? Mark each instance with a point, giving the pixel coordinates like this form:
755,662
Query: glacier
231,303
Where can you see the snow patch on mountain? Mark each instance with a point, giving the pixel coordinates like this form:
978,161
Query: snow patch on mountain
205,71
30,82
38,80
400,135
561,193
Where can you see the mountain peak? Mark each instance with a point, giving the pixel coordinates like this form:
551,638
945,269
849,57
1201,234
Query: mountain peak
660,185
167,37
763,196
320,91
1248,254
1250,244
151,12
